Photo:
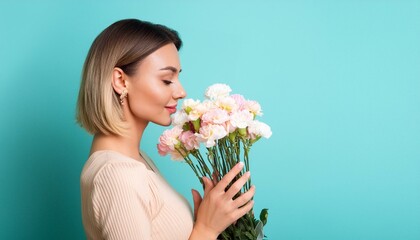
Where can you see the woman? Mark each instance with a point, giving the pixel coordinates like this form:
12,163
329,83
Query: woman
130,78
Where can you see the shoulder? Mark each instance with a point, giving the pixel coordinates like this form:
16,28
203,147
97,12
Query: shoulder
108,167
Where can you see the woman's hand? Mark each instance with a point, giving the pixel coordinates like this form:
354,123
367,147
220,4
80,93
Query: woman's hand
217,210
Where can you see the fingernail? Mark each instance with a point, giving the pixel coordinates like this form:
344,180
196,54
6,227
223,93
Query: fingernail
240,164
248,173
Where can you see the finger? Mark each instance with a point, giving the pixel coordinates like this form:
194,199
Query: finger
230,176
244,198
243,210
215,177
237,185
197,201
208,185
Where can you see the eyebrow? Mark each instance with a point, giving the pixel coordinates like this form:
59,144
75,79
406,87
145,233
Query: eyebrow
173,69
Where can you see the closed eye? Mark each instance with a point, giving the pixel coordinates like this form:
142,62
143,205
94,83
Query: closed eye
167,82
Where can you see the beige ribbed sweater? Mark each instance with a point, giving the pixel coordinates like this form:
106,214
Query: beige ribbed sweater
122,199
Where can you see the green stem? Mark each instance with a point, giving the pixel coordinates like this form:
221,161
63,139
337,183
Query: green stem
190,163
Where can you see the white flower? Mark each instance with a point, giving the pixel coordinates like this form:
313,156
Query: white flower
179,118
254,107
241,119
259,129
208,134
190,104
193,108
197,112
208,104
217,91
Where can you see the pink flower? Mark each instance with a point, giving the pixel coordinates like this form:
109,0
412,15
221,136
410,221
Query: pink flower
169,140
205,122
215,116
163,149
239,99
175,155
189,140
226,103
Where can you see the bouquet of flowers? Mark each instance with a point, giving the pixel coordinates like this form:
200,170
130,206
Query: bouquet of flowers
223,126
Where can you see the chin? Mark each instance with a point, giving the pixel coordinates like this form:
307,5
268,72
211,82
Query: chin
167,124
164,123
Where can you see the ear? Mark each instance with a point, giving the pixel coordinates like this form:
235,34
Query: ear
118,80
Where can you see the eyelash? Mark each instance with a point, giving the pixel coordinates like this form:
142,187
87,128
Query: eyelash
167,82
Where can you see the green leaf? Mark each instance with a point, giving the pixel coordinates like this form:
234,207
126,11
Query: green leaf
249,236
264,216
186,126
196,125
237,233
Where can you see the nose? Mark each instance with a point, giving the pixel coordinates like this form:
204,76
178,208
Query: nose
180,92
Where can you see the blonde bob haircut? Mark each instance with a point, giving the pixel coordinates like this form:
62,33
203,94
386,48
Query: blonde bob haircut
123,44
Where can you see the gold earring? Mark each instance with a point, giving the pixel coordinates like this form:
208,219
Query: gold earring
123,95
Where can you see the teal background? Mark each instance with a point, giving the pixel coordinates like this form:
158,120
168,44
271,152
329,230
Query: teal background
339,83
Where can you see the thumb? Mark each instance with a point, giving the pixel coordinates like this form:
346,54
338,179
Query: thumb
197,201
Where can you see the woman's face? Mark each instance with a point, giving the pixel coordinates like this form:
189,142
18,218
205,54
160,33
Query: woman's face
154,90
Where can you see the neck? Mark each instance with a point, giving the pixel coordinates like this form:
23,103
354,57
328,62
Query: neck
128,145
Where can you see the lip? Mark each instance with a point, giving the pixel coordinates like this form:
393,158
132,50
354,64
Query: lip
171,109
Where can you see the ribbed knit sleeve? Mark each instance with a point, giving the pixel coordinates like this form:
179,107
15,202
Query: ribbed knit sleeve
120,202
